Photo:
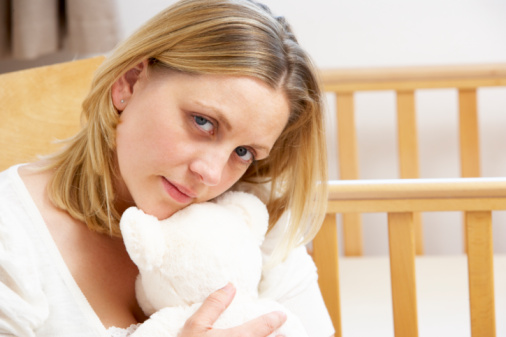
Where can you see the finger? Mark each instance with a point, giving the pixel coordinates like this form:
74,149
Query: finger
214,305
262,326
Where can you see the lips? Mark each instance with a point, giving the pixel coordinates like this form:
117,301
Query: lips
177,192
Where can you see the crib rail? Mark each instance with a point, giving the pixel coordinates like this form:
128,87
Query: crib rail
413,78
405,81
401,199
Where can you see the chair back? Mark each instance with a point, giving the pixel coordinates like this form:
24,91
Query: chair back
41,106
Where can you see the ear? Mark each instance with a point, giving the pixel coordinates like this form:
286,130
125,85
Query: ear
123,88
253,211
143,238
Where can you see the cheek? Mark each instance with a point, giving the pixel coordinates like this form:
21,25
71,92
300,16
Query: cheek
147,142
138,154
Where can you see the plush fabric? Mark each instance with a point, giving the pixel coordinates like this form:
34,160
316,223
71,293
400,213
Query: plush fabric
196,251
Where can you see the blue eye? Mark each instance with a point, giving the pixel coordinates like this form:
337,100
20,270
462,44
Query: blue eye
244,153
203,123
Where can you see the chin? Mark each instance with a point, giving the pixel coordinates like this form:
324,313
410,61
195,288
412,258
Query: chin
160,212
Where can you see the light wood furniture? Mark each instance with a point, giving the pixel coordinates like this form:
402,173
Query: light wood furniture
405,81
401,199
41,106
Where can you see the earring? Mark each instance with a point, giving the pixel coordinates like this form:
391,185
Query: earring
122,101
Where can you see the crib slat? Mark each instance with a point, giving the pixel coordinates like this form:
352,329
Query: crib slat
352,234
325,255
347,138
348,169
402,269
481,273
469,143
408,151
407,135
469,138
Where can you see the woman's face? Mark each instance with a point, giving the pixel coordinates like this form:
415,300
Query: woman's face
184,138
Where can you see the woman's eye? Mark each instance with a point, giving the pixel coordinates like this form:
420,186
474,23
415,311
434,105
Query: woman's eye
204,123
244,153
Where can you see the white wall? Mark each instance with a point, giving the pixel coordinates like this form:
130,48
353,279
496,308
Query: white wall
348,33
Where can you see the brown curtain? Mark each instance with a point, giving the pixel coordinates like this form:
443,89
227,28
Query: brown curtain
32,28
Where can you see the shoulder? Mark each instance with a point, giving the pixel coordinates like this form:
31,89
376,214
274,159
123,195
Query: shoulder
23,305
11,193
18,186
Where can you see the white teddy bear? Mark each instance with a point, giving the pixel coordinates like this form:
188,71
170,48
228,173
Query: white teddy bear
196,251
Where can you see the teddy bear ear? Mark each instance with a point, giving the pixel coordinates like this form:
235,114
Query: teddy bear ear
251,208
143,238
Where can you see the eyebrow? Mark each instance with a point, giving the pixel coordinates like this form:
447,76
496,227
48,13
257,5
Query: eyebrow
220,116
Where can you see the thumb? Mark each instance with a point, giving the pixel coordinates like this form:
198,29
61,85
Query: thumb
213,306
263,325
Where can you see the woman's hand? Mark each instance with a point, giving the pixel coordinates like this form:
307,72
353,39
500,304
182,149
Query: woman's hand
201,322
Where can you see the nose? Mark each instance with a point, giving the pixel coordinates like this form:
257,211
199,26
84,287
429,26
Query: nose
209,168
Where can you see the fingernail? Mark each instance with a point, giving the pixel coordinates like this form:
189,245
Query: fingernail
282,315
229,288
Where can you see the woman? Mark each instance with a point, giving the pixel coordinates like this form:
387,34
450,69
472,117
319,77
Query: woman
207,96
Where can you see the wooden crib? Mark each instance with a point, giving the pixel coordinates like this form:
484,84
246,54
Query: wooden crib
400,199
403,199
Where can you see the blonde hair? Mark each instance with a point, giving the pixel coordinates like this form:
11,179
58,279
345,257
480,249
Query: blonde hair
227,37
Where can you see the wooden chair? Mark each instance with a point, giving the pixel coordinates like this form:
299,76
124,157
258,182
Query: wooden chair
405,82
40,106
